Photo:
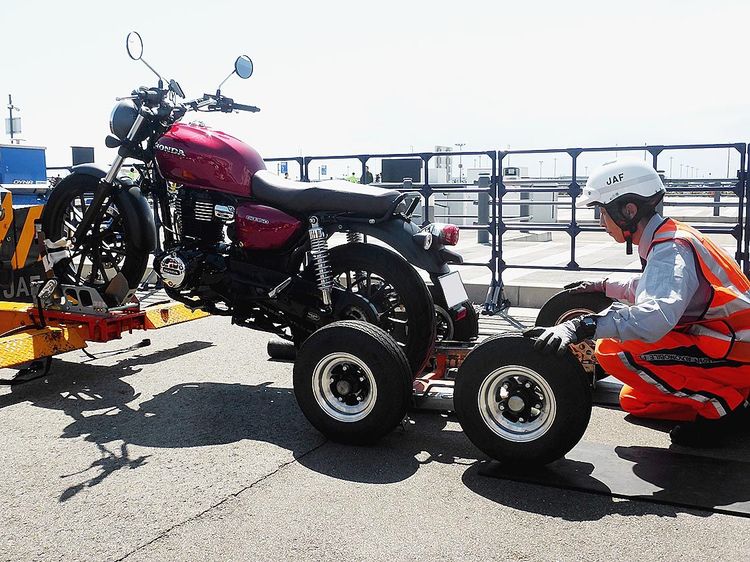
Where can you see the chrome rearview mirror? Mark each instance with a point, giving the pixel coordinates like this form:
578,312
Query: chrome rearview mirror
134,45
243,66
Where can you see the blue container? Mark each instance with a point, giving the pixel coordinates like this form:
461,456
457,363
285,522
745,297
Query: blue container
23,170
22,164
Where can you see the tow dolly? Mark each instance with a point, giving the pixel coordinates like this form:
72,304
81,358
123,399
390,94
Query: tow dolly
41,319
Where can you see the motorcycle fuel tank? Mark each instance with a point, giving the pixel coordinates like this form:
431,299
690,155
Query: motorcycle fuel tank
263,228
199,156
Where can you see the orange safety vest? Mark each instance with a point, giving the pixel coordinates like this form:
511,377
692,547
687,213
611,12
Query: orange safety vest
723,331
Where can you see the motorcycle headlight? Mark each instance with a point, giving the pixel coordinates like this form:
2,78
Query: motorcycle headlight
122,118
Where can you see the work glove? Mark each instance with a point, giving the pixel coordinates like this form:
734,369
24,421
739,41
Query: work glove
599,286
556,339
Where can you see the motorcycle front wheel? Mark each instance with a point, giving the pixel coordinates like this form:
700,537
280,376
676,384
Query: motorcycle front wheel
107,249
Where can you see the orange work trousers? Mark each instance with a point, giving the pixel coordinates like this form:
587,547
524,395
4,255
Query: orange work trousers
673,379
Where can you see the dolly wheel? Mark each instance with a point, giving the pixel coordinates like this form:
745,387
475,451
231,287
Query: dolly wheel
352,382
519,406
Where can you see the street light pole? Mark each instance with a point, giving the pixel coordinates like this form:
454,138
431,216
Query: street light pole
540,168
554,167
670,166
460,145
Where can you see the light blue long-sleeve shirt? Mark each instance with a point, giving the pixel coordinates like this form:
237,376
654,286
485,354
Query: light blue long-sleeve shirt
653,302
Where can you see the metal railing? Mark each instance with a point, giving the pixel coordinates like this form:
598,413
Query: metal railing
492,195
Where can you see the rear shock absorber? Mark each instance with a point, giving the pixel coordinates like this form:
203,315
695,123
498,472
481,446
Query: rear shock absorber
319,252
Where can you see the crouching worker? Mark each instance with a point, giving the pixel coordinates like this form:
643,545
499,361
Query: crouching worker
679,339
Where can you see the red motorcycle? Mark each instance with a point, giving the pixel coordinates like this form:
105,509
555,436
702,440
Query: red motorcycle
237,240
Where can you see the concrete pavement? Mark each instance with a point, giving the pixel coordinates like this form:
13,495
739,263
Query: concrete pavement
194,449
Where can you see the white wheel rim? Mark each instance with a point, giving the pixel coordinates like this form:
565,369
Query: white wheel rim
511,409
344,387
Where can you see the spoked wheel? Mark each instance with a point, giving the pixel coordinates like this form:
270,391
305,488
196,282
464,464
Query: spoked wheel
352,382
519,406
565,306
375,285
107,250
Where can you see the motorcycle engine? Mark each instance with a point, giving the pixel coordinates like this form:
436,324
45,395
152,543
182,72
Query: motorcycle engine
202,215
178,268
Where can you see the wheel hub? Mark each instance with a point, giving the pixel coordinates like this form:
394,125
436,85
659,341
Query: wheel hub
516,403
520,400
351,306
348,384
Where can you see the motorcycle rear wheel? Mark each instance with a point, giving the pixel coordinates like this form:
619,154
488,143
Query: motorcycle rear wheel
106,250
381,288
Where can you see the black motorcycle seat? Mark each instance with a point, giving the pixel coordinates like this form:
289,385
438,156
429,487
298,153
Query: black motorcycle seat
331,195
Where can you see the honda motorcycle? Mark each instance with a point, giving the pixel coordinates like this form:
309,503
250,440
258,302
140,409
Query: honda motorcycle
237,240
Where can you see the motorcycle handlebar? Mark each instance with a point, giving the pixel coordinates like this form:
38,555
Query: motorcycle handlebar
242,107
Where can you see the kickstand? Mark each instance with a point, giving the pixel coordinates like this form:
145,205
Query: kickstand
36,370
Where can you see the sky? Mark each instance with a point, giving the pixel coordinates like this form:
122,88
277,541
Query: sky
344,77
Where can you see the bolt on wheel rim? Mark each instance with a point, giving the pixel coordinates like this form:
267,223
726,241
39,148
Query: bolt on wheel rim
344,387
517,403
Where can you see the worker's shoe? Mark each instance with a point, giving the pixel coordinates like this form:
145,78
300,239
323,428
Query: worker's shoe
705,433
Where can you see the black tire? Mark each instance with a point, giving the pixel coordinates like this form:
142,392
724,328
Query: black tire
564,306
366,363
113,236
485,409
283,350
395,285
466,329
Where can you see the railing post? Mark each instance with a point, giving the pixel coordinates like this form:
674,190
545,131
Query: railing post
717,199
483,210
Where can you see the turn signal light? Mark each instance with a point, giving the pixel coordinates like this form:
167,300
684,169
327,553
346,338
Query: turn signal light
448,234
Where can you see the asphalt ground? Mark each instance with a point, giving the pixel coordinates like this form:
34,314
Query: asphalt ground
194,449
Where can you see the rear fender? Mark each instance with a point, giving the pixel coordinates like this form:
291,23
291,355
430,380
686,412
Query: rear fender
399,235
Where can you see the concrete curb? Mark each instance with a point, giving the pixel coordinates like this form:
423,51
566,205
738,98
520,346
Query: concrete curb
519,295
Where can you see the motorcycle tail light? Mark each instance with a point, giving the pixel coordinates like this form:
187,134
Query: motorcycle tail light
448,234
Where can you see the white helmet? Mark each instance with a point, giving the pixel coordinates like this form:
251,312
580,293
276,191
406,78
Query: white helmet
616,179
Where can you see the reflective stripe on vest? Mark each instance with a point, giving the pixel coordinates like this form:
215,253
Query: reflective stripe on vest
724,329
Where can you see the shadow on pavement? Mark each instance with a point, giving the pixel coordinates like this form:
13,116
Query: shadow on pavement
662,482
196,414
398,455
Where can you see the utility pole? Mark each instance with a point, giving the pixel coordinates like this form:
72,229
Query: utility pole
554,167
460,145
670,166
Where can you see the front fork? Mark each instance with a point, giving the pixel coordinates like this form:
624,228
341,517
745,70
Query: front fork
107,185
